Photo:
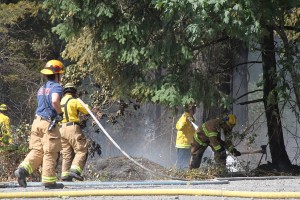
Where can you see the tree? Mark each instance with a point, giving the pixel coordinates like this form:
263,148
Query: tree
26,43
279,155
128,43
273,90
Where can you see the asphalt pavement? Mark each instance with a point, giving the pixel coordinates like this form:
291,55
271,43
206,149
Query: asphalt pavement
225,188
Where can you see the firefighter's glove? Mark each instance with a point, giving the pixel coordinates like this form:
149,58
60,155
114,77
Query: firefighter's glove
223,155
190,119
98,149
59,117
236,152
222,152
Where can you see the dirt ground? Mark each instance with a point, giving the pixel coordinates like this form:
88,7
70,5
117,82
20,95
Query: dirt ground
96,169
120,169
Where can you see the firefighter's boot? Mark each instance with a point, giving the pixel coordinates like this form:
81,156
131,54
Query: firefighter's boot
73,174
21,174
67,178
53,185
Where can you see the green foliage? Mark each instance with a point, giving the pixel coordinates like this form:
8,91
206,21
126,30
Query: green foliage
10,14
75,74
146,49
21,133
226,101
292,19
26,43
131,51
166,94
11,154
141,89
142,44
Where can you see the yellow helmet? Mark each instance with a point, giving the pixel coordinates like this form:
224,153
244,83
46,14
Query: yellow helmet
190,106
53,67
70,87
3,107
230,120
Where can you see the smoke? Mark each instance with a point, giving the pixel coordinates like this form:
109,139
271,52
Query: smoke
148,132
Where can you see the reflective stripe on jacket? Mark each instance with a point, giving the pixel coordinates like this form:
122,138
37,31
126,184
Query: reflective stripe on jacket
210,133
185,131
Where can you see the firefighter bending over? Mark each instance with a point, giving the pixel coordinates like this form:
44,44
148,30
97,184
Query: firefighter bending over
209,134
5,136
45,143
74,144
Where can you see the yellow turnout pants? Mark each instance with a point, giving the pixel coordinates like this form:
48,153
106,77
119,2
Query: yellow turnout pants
74,148
44,150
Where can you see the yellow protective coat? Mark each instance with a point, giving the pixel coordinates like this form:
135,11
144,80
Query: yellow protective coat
185,131
74,144
5,136
73,107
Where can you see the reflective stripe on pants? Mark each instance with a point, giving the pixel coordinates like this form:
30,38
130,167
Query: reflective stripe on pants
74,148
44,149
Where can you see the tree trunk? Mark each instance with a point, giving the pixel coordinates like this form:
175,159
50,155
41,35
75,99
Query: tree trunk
279,155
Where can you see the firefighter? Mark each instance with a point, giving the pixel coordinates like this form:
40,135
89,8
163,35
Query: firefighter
5,136
209,134
74,144
44,143
185,132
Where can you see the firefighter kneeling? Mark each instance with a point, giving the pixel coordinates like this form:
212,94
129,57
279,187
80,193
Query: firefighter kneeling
209,134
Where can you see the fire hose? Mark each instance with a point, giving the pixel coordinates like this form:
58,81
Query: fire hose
151,192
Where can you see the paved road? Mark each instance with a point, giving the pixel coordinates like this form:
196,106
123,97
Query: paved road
273,186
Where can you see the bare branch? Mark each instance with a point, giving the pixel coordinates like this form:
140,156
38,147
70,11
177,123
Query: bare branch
253,101
210,43
249,62
292,28
260,90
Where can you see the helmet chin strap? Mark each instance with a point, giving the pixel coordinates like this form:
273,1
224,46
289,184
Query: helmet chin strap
58,77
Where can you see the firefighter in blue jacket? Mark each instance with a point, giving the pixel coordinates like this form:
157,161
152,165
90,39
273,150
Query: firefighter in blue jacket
45,143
